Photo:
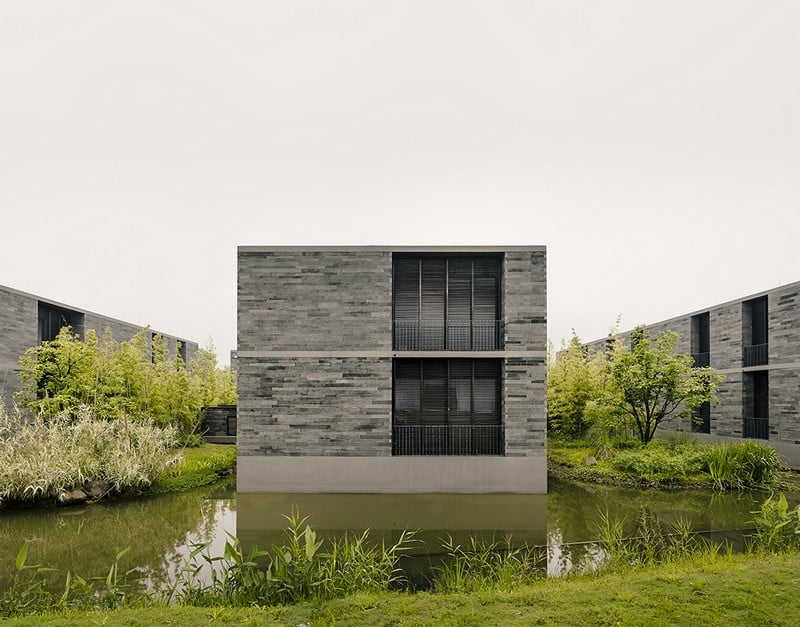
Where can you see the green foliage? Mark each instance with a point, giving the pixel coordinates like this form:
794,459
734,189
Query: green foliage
647,542
29,593
196,467
136,378
663,460
671,461
41,458
652,382
302,568
777,526
574,383
741,465
484,564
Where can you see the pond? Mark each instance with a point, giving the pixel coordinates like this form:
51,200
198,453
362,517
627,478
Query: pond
161,529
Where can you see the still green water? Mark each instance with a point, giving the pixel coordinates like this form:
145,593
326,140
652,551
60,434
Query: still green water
161,529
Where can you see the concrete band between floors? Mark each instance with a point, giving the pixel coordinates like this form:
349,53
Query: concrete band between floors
402,474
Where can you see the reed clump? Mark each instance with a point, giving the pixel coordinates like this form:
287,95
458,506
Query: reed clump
485,564
741,465
41,458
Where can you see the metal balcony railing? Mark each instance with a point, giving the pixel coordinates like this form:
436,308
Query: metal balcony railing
756,428
451,335
756,355
701,360
448,440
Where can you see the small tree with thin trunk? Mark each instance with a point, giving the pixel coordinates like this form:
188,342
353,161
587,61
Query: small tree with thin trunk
651,382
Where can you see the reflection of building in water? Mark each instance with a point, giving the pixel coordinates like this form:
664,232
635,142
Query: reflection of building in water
405,369
260,518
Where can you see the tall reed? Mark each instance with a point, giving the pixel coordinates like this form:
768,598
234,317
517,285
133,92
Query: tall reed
484,563
41,458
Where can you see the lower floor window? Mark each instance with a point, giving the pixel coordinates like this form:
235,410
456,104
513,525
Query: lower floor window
447,407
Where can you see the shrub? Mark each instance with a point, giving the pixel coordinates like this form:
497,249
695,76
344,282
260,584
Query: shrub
42,458
741,465
777,527
666,461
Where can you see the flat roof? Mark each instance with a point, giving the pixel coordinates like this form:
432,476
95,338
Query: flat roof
55,303
392,249
727,303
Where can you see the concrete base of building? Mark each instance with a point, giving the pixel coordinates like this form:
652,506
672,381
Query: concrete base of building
405,474
788,451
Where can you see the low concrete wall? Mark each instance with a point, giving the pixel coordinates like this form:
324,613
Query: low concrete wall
402,474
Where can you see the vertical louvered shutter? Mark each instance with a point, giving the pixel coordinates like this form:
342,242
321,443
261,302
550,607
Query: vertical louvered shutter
486,391
406,303
459,304
433,304
486,278
407,392
434,391
460,391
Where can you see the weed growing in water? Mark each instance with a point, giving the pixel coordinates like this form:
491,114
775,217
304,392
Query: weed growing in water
484,564
777,526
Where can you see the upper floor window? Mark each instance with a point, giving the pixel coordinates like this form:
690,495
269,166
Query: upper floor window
446,302
52,319
701,339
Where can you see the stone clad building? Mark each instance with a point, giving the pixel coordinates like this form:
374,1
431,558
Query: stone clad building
391,369
27,320
755,342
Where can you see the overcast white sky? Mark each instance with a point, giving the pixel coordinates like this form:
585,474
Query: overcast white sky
653,147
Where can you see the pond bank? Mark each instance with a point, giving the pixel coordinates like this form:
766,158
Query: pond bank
737,589
198,466
673,463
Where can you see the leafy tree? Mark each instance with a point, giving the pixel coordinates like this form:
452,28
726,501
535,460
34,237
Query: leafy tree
137,379
652,382
573,381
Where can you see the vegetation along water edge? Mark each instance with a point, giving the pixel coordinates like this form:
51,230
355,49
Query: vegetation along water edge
657,576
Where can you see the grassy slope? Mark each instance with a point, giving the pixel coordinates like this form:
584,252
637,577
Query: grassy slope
199,466
728,590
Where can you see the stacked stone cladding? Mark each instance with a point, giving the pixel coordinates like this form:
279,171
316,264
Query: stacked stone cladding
728,324
325,304
19,331
302,311
315,301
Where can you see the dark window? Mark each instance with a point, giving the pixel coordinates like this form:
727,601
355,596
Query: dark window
446,303
701,421
181,347
52,319
701,340
755,332
755,399
447,407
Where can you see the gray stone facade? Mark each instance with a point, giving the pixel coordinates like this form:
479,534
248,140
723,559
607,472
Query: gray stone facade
730,327
19,331
315,362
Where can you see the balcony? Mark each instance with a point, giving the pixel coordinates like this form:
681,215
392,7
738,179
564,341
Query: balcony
756,355
451,335
448,440
756,428
701,360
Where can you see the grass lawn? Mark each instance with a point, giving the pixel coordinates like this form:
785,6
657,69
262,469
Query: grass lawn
198,466
724,590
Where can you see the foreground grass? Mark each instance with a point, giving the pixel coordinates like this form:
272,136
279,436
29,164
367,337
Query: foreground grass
197,467
721,590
